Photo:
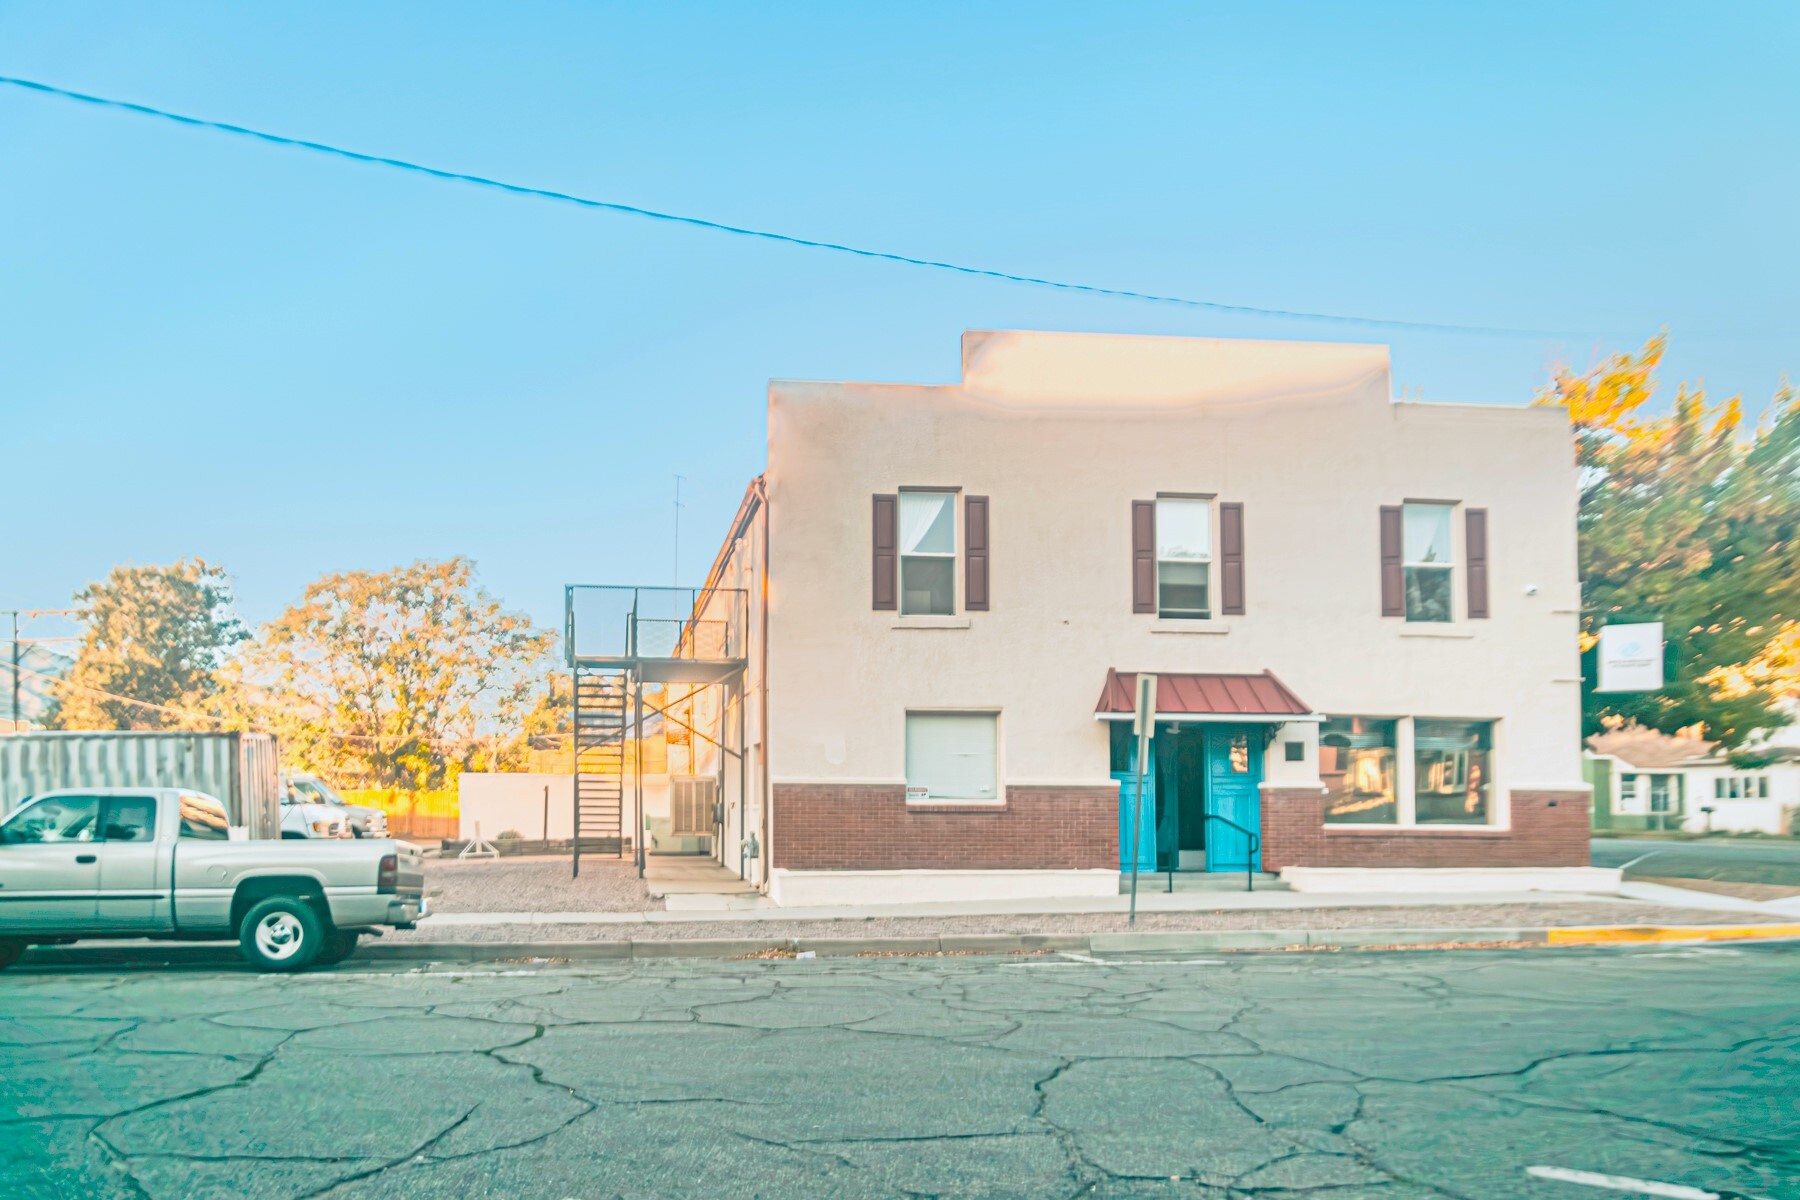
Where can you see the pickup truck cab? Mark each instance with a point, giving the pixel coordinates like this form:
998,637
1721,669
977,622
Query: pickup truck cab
305,787
161,863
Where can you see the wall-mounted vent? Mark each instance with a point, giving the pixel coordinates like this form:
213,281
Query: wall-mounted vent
691,801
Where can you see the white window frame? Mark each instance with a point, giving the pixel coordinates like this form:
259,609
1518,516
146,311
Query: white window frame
954,555
1448,567
1210,559
1499,815
1753,785
993,715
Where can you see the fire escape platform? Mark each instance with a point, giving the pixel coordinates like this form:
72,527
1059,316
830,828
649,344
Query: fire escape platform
698,671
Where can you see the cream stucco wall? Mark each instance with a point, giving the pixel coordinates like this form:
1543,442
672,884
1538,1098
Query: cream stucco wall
1062,432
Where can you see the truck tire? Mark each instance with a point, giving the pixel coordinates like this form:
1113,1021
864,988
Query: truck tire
10,952
339,944
282,933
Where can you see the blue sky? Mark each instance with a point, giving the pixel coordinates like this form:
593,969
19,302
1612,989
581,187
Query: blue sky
290,364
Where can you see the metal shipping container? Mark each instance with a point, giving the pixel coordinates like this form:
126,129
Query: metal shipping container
242,769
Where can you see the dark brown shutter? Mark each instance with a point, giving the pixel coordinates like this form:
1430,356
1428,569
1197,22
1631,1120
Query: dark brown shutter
1393,579
887,553
1475,545
1143,556
975,553
1231,560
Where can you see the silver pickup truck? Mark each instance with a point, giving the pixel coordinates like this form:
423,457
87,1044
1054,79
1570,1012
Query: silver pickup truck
160,863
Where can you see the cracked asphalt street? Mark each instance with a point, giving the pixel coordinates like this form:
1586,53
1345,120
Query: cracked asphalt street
1384,1075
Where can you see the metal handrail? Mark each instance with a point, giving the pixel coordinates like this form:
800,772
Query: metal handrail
1249,859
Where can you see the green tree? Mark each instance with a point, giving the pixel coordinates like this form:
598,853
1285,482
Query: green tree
154,635
1686,519
391,678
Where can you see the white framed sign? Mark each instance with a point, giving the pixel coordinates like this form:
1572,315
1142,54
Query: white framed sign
1630,658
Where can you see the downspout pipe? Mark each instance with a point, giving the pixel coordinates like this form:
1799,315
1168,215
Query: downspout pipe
762,495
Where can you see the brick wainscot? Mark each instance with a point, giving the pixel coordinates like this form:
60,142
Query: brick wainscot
871,827
1549,829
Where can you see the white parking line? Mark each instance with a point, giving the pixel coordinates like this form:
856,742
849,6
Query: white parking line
1623,1183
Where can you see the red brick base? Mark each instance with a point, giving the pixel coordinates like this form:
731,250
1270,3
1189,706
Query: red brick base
871,827
1549,829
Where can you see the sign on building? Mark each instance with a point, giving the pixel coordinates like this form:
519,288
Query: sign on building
1630,658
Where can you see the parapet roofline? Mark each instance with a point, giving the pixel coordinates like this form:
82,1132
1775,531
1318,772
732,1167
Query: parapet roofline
1114,372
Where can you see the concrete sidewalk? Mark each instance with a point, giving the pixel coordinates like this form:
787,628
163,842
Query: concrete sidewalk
1148,902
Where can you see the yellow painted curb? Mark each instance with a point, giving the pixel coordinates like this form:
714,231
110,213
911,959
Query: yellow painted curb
1602,935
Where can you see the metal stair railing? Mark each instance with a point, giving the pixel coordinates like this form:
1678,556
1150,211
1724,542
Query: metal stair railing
1249,857
599,747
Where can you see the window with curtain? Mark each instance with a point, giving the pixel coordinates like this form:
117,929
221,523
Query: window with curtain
1427,561
1357,757
1452,771
952,757
927,553
1183,557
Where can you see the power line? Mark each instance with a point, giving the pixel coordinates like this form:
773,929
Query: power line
192,715
633,210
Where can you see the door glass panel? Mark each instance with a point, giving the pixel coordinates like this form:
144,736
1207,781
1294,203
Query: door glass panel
130,819
64,819
1240,754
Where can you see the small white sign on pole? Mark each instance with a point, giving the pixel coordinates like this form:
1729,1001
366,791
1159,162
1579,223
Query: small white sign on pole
1630,658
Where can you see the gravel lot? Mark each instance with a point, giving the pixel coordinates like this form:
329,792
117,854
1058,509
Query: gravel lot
1435,917
535,885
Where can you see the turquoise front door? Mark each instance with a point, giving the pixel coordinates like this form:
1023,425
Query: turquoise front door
1233,772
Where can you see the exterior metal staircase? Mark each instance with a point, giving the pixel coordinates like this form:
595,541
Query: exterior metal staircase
600,730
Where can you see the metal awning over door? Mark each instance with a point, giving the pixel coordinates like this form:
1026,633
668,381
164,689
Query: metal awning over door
1208,697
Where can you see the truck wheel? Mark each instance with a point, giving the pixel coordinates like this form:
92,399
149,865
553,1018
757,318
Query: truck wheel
282,933
339,944
10,952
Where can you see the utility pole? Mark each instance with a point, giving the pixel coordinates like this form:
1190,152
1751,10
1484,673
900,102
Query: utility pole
29,614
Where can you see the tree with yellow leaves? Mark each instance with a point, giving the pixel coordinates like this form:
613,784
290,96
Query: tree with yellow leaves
391,678
1688,519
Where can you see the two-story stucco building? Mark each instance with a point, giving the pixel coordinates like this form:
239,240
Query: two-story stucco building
1362,615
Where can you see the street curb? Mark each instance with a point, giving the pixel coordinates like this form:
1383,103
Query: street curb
1158,942
1620,935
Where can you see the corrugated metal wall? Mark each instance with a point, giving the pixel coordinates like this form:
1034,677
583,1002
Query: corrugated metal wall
242,769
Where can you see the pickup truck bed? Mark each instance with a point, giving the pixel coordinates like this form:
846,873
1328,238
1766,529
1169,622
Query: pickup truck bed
158,863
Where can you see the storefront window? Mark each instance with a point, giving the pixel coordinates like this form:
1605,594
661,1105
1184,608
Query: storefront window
1356,764
1452,769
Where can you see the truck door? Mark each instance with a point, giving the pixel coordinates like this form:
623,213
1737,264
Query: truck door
49,871
132,896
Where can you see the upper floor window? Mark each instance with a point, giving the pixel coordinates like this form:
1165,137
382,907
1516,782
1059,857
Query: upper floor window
927,553
1183,557
1428,561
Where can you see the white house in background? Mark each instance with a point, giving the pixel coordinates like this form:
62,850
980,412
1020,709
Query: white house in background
1763,799
1646,780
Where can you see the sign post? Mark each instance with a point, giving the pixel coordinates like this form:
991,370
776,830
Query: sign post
1143,724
